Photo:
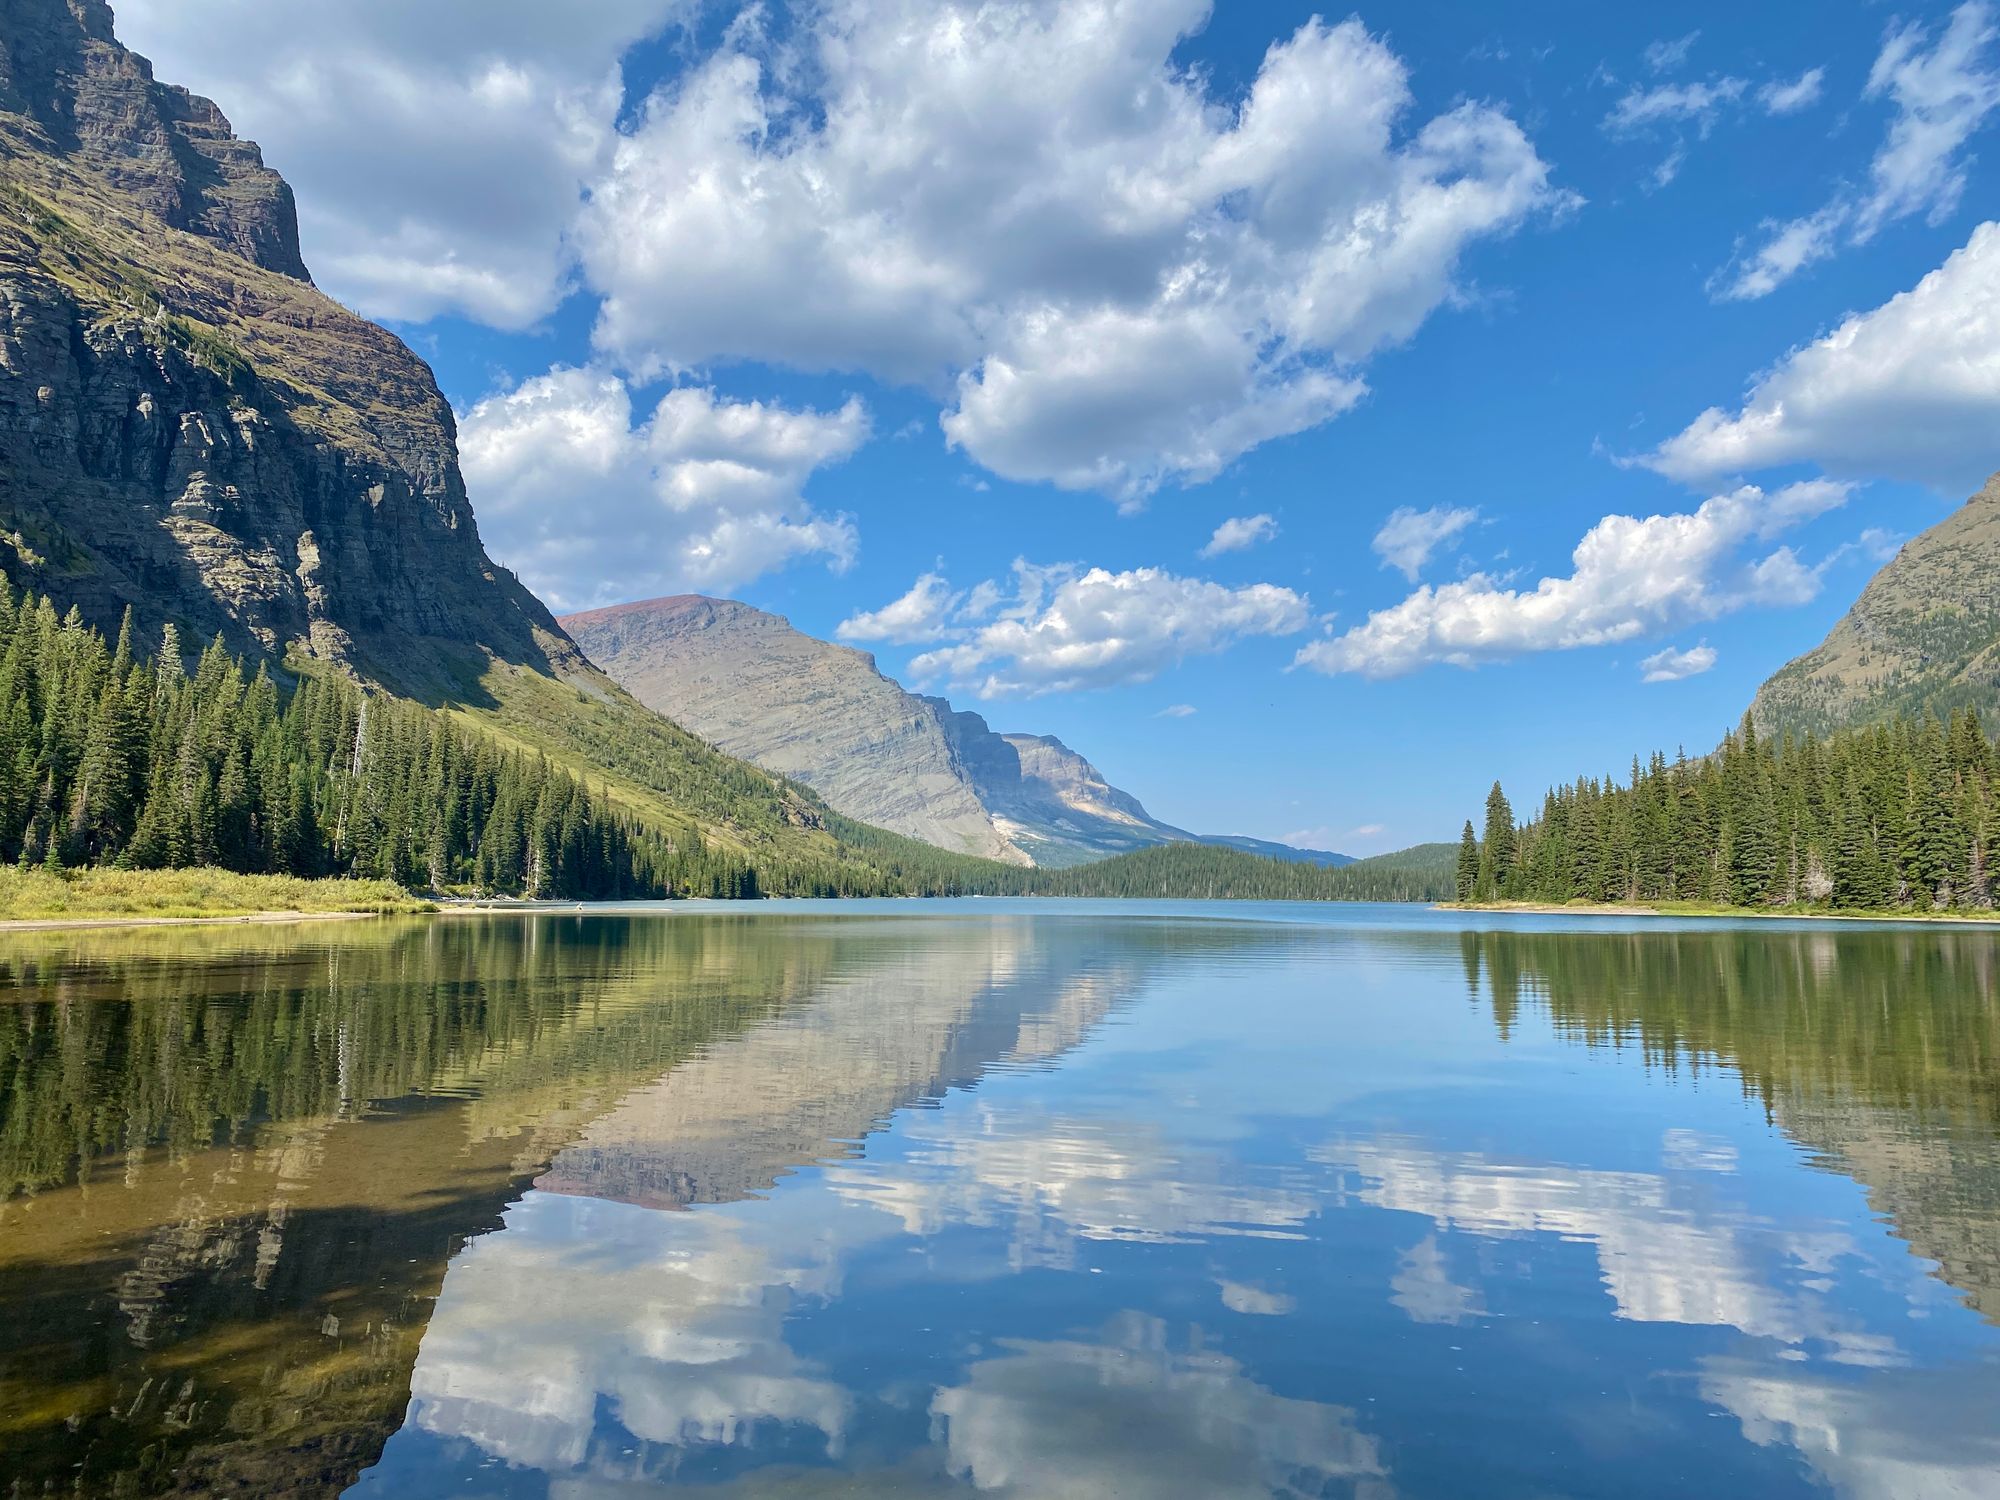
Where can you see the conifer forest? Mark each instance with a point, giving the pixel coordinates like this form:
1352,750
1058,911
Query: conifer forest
1897,815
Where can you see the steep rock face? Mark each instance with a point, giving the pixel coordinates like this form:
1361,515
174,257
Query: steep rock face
1923,637
186,425
751,685
822,714
1053,802
1075,782
1048,800
167,150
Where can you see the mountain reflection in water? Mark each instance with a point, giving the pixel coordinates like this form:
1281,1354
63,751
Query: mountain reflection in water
1033,1200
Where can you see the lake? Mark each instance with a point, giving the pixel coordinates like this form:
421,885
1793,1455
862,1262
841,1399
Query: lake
1043,1199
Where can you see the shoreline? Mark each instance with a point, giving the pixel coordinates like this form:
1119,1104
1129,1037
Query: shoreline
61,924
528,908
1718,913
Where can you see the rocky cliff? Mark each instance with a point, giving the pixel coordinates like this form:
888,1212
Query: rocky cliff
1924,637
824,715
187,426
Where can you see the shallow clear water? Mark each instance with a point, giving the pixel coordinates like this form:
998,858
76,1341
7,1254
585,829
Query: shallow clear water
1027,1199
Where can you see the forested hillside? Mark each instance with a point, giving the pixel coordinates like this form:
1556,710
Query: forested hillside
1899,815
1206,872
107,757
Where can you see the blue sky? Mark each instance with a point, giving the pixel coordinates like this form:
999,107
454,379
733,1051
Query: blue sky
834,307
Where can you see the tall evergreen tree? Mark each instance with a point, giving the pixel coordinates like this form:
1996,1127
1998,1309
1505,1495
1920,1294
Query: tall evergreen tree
1497,848
1468,863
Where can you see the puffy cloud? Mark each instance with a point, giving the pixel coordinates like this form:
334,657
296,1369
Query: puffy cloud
1068,628
1630,577
1910,390
1409,537
1119,279
923,614
1781,98
1671,665
1914,1434
677,1319
1051,1181
1941,94
514,107
1423,1288
1121,402
1255,1301
1177,711
590,508
1077,1421
1674,103
1239,533
1661,1259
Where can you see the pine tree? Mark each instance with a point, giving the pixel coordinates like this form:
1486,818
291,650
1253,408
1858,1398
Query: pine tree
1496,850
1468,863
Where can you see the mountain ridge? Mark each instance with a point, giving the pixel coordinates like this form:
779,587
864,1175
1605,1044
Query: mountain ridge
826,714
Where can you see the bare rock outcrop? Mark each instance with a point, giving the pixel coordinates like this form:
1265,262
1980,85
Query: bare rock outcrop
187,426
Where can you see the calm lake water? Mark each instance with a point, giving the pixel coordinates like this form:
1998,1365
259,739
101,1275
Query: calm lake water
1024,1199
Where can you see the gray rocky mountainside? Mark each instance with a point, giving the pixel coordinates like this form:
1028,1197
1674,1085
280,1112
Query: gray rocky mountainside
823,714
187,426
1924,637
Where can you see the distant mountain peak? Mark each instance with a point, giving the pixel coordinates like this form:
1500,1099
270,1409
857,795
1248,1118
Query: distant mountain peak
824,714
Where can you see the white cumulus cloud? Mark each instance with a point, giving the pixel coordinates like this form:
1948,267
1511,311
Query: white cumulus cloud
1909,390
1066,628
1671,664
591,507
923,614
1115,277
1941,92
1239,533
440,150
1409,536
1629,577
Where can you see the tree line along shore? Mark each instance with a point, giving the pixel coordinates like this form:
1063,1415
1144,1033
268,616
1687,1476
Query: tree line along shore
133,786
1896,818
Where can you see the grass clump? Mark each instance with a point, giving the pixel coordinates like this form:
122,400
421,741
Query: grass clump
85,895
